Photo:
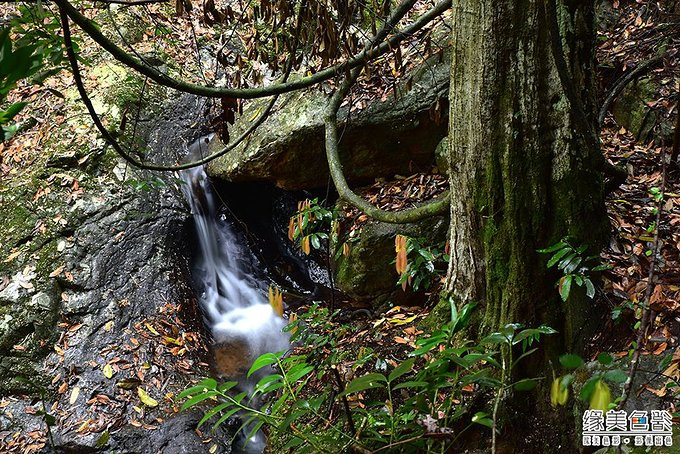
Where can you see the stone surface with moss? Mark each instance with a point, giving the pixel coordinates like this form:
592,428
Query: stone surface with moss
368,274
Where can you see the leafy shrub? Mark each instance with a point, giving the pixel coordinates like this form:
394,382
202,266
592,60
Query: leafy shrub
414,405
576,267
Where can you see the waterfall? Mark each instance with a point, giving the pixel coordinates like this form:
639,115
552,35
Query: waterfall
242,323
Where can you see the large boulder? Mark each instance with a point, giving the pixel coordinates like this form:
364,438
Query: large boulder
397,135
367,273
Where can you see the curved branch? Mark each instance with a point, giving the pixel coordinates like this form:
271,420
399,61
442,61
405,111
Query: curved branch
73,60
621,83
335,167
249,93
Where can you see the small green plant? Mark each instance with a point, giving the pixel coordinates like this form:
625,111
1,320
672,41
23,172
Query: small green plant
308,224
595,390
576,267
424,264
30,47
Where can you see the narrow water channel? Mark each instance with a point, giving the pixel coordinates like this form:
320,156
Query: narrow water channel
241,322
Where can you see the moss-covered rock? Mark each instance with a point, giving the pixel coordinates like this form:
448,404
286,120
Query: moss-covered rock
394,136
631,110
367,273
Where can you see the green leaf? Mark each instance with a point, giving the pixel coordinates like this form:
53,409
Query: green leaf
292,443
482,418
571,361
206,384
368,381
213,411
605,359
102,440
553,248
410,384
565,287
226,386
494,338
556,258
617,376
563,264
198,398
590,288
11,111
588,387
298,371
262,361
573,265
523,355
526,384
603,267
224,417
401,369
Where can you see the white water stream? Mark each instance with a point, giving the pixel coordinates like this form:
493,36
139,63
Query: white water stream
236,311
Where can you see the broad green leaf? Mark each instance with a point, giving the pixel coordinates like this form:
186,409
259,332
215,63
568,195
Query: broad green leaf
526,384
401,369
292,443
483,419
565,287
103,439
262,361
494,338
573,265
571,361
224,417
226,386
523,355
410,384
368,381
213,411
566,261
553,248
198,398
590,288
193,390
299,371
556,258
605,359
588,387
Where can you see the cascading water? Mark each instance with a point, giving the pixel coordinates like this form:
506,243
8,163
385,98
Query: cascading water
242,323
236,310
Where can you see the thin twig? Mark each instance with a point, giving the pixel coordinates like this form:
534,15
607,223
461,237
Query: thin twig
648,293
164,79
345,403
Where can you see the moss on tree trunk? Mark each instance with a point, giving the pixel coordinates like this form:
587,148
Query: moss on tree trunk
522,175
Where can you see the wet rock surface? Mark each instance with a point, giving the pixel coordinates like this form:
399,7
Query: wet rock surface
103,309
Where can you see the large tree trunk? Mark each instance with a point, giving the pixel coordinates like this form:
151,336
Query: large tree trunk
523,170
524,162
